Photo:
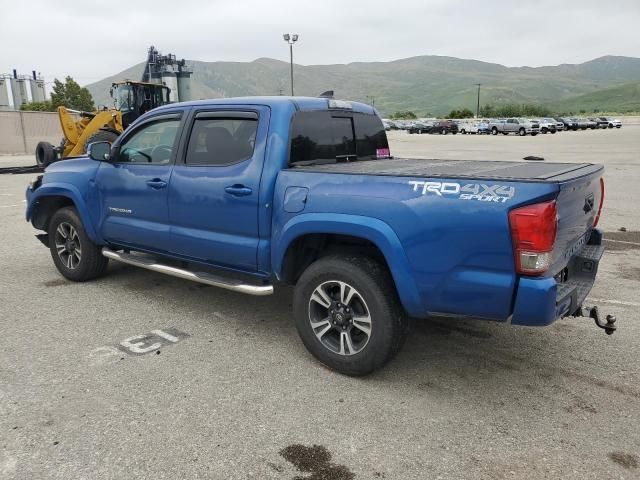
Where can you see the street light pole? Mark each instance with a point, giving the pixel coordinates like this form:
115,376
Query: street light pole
478,105
291,38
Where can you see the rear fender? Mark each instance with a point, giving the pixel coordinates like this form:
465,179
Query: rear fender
374,230
62,190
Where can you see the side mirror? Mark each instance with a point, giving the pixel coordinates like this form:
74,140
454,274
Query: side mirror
99,151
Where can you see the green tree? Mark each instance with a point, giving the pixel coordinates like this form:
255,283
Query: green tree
406,115
45,106
515,110
71,95
462,113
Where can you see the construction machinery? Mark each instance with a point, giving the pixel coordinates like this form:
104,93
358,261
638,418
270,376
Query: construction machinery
165,80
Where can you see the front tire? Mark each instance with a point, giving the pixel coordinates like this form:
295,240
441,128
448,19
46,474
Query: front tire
348,315
494,131
75,256
522,132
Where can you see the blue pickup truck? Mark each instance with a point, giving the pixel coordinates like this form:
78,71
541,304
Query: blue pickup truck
251,193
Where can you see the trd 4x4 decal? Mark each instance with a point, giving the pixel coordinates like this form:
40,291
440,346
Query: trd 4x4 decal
469,191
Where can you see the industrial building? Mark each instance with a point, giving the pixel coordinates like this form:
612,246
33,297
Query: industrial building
167,70
16,90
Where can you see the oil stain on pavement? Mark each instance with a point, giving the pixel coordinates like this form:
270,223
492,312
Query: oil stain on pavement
315,460
625,460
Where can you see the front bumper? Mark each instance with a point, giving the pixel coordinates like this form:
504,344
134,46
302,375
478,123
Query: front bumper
541,301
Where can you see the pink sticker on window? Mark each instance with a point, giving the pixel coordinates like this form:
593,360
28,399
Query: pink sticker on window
383,153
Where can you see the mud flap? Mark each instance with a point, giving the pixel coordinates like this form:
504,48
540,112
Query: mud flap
44,238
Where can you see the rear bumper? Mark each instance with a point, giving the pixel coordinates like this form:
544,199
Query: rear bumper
541,301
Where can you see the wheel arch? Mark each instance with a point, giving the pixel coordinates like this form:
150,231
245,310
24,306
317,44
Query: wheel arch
50,198
309,236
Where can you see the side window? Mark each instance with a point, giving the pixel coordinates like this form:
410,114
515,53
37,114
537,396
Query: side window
370,135
152,143
221,141
319,136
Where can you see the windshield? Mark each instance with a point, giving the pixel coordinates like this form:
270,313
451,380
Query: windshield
124,98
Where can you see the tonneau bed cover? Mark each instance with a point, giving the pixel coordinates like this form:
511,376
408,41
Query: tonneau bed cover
519,171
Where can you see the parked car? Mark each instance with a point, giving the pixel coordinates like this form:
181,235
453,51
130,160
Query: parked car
569,123
419,127
600,122
521,126
588,123
547,125
612,122
444,126
366,240
474,126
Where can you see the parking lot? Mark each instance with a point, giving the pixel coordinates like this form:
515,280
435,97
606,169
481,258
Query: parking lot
229,392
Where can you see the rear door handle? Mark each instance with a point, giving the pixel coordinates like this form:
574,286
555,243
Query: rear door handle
156,183
238,190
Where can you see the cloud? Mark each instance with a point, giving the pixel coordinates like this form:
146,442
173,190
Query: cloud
93,39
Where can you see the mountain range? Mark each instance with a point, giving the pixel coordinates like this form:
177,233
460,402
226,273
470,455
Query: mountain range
427,85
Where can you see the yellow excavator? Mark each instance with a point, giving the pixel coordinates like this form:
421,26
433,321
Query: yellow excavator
131,99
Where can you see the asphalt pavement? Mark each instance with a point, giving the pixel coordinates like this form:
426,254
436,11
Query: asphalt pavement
140,375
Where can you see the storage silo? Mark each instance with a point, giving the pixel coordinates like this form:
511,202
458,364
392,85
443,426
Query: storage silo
37,88
170,79
4,94
19,90
184,86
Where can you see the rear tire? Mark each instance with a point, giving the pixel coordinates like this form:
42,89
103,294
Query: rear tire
45,154
522,132
342,296
75,256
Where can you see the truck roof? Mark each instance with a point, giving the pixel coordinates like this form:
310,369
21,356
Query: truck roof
299,103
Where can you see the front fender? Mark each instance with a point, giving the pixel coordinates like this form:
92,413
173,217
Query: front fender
372,229
60,189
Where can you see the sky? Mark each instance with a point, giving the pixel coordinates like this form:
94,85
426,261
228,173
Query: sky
92,39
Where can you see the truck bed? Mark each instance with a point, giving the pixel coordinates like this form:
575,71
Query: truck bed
516,171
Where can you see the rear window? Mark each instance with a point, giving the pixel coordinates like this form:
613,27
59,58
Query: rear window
326,135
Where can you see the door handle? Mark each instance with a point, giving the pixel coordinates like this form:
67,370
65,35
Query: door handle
238,190
156,183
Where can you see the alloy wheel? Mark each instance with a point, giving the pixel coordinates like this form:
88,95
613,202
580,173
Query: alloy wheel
68,245
340,317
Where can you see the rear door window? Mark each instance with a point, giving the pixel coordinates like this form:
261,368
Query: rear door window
325,135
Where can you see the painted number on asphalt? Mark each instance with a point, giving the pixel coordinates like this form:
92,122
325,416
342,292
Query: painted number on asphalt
152,341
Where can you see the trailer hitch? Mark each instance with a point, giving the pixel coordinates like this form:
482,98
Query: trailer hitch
609,327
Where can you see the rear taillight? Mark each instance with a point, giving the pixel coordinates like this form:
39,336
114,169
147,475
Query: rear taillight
533,231
595,222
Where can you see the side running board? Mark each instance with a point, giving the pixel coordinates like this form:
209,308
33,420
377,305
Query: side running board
201,277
